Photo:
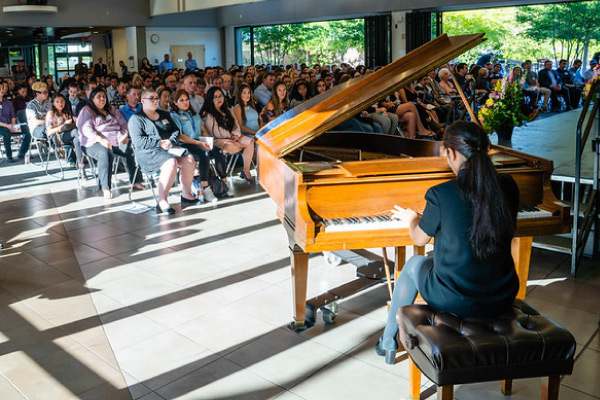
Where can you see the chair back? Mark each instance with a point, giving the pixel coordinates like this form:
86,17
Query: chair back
22,120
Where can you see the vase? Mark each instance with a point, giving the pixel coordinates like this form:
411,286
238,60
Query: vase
505,134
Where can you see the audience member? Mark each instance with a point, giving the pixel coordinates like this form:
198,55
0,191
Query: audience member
103,133
155,137
37,109
245,110
8,120
133,106
61,129
550,79
264,91
222,125
190,63
567,81
164,66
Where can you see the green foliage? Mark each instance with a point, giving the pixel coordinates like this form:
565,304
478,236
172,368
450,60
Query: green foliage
316,42
532,32
569,27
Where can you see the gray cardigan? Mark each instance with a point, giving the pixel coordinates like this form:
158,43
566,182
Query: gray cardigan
146,141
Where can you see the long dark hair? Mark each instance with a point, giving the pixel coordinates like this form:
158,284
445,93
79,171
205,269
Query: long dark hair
223,115
66,109
240,102
295,95
179,93
91,104
492,228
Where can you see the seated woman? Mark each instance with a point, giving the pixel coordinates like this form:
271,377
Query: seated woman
192,130
408,94
103,133
221,124
408,114
300,93
245,110
154,134
447,86
321,85
164,103
61,129
278,103
472,219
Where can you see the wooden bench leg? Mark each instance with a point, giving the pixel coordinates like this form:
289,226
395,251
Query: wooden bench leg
445,392
550,386
507,387
414,378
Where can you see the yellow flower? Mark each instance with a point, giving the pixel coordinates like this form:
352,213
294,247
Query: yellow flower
489,102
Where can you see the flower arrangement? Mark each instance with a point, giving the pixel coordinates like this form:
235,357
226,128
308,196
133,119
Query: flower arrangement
588,85
503,108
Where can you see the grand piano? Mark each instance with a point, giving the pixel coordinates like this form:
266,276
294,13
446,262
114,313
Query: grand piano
334,190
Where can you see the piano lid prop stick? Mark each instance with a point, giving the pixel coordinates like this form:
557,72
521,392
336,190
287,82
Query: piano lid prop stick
463,97
387,271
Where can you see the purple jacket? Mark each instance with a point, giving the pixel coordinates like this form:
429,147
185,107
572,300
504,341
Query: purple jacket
7,112
91,126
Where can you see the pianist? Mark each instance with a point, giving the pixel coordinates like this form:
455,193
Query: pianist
472,219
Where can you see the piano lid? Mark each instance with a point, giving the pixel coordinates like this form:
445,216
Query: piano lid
314,117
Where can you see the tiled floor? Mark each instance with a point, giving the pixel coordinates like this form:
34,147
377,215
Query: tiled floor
97,303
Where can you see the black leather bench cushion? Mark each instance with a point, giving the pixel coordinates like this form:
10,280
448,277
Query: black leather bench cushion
517,344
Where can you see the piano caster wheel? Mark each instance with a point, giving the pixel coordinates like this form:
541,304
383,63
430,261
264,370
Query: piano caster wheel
332,259
329,312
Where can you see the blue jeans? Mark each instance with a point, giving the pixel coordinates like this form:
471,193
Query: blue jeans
405,292
7,135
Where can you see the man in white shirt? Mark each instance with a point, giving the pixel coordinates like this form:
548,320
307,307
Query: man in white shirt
189,85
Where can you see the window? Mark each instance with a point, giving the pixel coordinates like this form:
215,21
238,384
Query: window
327,42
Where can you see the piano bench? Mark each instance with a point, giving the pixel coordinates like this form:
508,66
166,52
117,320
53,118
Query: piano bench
450,350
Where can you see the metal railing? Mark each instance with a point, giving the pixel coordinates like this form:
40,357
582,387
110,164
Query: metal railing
582,229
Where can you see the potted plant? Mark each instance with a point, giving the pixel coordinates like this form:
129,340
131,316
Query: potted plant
503,110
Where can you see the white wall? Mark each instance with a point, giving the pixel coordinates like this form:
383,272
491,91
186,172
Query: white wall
209,37
98,49
120,49
131,61
398,34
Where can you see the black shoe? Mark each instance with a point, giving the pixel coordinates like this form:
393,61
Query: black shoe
247,179
10,160
188,202
169,210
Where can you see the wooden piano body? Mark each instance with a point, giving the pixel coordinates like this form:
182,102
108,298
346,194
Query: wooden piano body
314,176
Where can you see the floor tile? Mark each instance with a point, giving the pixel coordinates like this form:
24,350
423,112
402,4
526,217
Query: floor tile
224,330
178,357
220,379
585,373
283,357
125,328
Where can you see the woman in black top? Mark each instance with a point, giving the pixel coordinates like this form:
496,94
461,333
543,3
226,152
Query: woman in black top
472,219
154,134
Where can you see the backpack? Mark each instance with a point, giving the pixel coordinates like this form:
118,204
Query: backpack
218,187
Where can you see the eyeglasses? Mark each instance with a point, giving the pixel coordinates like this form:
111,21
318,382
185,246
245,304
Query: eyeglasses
219,97
151,98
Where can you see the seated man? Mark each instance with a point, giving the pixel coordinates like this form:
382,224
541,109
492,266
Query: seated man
567,80
133,103
550,79
7,125
37,109
532,86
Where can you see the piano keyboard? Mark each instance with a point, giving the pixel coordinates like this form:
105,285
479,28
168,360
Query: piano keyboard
351,224
526,212
363,223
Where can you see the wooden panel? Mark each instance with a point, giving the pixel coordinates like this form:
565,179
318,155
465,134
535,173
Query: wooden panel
321,113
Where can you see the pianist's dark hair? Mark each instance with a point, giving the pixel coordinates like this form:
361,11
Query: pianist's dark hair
492,228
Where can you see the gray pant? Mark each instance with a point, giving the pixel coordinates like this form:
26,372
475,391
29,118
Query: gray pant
388,122
405,293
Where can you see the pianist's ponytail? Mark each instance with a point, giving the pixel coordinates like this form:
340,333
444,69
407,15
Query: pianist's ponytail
492,227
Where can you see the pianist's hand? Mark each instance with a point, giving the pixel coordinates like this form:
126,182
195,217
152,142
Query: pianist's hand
404,214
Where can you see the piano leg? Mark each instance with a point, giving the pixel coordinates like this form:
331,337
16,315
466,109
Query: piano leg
299,261
521,253
399,260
